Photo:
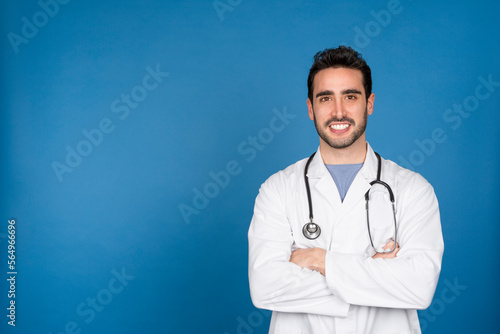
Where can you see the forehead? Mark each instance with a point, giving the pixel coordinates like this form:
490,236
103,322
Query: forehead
336,79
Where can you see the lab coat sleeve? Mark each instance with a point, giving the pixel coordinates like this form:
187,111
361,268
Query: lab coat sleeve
275,283
408,281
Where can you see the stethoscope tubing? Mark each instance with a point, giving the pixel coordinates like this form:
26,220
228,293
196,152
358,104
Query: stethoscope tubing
312,230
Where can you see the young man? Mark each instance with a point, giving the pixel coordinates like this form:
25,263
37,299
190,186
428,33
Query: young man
350,270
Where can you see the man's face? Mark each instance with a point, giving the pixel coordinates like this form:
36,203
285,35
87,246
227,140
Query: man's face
339,107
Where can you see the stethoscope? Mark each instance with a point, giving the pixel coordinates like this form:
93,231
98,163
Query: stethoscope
312,230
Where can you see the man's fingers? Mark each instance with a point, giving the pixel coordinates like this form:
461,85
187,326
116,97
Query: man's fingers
389,255
390,245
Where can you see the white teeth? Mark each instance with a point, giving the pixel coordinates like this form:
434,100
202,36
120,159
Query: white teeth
339,126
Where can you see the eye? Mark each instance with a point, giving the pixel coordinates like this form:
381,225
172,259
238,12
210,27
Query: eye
351,97
324,99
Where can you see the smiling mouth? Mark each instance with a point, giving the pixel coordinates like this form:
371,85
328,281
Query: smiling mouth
340,127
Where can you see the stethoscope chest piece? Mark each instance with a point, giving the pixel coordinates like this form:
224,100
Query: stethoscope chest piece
311,231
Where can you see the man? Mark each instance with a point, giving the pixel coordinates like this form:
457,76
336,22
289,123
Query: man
337,282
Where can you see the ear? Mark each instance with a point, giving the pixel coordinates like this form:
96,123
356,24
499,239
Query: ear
310,109
369,104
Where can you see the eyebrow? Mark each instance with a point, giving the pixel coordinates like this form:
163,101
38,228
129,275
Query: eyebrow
351,91
325,92
344,92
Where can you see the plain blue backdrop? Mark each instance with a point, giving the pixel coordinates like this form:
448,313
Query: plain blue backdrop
102,245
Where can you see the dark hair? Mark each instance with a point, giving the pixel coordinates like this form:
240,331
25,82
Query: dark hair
343,56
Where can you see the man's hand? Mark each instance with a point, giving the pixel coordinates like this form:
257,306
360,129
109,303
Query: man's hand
310,258
389,245
314,258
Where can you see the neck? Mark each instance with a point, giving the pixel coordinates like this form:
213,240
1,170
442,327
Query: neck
354,154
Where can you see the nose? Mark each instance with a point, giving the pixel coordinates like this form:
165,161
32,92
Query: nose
338,110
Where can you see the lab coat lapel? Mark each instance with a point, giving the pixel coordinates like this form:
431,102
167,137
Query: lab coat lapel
361,183
321,180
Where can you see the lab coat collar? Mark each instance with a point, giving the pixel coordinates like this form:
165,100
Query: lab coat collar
317,168
360,185
370,166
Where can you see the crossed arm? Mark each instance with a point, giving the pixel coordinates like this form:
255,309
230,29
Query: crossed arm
325,282
314,258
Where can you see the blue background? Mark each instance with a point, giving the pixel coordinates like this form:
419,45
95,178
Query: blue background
119,207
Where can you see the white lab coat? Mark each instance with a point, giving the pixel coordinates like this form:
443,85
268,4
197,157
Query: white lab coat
358,294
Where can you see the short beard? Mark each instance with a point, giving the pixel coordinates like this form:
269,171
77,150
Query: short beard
344,142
